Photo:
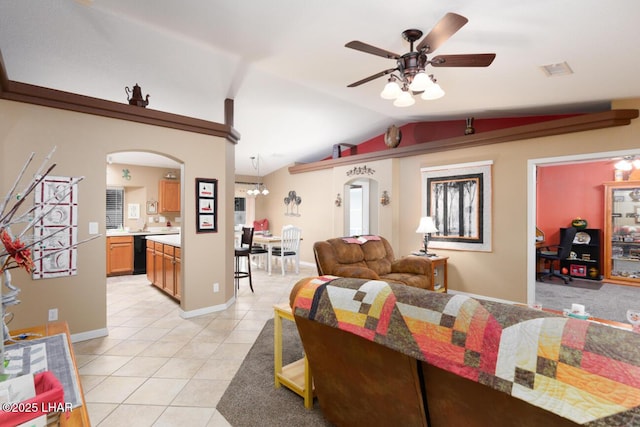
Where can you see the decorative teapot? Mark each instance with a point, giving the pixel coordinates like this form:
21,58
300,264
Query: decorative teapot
135,97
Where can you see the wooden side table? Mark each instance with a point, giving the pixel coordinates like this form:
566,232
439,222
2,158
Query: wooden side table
439,274
78,416
295,376
439,281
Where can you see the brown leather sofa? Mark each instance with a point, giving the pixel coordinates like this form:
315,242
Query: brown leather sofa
370,257
386,354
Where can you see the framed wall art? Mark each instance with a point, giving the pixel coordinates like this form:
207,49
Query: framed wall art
206,205
458,197
152,207
56,204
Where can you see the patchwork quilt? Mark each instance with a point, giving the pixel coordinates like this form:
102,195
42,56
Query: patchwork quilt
583,371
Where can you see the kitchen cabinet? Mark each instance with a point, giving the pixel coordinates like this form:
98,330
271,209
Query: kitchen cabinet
119,255
165,267
177,266
151,253
168,259
168,196
622,232
158,265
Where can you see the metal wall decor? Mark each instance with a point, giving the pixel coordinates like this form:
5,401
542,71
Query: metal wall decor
292,201
206,205
338,201
392,136
469,129
384,198
361,170
56,206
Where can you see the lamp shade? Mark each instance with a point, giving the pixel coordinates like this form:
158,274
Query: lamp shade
432,92
404,100
426,225
420,82
391,90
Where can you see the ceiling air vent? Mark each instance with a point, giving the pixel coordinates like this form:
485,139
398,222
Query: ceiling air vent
560,69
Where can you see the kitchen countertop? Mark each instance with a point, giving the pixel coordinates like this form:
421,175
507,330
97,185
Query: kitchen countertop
167,239
150,230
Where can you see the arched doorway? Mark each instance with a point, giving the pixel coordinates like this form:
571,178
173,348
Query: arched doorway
361,209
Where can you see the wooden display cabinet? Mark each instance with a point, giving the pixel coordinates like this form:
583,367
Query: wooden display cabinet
168,196
622,232
119,255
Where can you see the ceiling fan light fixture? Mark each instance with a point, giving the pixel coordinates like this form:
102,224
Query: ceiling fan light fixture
433,92
404,100
391,89
420,82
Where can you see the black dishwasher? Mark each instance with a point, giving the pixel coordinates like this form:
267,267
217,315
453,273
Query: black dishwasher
139,254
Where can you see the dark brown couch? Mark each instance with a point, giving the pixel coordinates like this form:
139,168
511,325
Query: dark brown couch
386,355
373,259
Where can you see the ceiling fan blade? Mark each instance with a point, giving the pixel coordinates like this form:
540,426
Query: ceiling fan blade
373,77
367,48
470,60
445,28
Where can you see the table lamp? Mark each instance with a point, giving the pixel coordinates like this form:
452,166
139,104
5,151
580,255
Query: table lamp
426,226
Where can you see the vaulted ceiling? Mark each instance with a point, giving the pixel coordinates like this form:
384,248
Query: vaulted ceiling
285,65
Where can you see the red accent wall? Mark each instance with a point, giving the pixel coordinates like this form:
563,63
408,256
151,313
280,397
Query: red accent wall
421,132
565,192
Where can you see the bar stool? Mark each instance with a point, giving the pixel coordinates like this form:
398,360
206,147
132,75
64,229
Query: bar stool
244,252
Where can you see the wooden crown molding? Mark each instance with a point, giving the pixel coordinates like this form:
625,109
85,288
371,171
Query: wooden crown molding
38,95
548,128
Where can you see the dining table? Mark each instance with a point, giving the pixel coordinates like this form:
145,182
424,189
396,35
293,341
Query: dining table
268,242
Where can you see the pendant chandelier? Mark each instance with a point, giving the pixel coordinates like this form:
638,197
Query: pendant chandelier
259,188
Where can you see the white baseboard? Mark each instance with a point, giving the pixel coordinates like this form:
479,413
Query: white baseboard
89,335
206,310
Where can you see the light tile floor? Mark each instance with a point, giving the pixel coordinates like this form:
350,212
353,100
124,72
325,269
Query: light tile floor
158,369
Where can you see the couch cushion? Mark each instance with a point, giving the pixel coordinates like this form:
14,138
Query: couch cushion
378,256
346,253
415,280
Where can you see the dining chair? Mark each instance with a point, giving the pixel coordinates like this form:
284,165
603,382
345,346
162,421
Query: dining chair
259,255
244,251
289,247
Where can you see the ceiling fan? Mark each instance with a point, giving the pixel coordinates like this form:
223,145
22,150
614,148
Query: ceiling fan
412,76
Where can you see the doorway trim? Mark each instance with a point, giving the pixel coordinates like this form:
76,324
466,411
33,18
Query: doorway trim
532,203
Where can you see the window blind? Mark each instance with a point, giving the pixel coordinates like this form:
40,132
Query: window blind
115,208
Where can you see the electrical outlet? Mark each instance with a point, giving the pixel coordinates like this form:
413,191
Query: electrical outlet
53,314
216,287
